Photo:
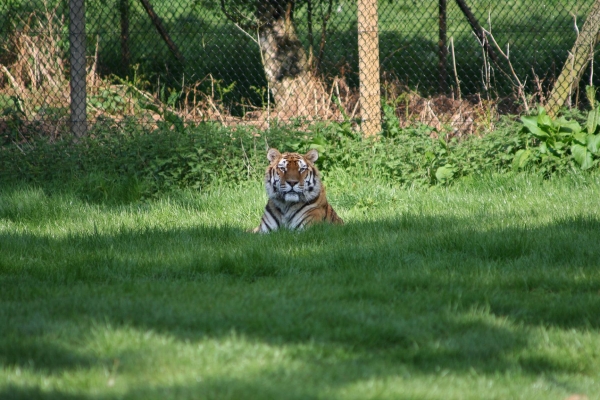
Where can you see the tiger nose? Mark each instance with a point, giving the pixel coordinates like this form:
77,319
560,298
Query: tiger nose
292,183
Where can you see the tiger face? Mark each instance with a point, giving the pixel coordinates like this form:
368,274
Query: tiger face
296,195
292,177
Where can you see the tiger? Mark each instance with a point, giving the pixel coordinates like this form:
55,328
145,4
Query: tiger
296,194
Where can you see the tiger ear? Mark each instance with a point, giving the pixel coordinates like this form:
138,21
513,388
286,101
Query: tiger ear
312,155
273,154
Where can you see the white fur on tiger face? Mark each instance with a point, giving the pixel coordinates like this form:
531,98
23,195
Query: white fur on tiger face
293,179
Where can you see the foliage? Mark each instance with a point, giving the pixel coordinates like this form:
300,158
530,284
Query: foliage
106,160
136,163
412,157
108,101
558,144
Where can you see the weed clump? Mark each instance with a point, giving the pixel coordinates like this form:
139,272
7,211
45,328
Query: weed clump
137,162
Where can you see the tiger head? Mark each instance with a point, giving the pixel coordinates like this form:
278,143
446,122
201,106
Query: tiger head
292,177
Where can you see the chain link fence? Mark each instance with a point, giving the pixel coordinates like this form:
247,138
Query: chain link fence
450,64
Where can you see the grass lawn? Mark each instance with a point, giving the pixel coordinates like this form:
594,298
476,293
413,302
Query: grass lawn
489,289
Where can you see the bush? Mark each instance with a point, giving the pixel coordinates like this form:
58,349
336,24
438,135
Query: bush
134,163
560,144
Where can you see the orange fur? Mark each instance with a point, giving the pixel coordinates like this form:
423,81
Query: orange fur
296,195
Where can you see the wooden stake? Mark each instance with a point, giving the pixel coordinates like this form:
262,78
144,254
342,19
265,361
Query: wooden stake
77,80
368,65
580,55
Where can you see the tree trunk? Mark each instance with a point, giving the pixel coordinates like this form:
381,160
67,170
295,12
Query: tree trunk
578,59
297,93
161,30
477,30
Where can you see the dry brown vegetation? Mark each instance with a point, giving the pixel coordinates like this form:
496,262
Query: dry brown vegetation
449,114
33,75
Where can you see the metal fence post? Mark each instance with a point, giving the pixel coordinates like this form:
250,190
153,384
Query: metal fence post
78,73
368,66
442,48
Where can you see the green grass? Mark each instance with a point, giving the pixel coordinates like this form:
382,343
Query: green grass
486,289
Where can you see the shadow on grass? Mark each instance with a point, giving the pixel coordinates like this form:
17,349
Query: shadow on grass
212,389
14,392
28,351
427,294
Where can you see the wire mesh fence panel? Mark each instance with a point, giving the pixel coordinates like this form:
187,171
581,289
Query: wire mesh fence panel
457,62
34,76
445,63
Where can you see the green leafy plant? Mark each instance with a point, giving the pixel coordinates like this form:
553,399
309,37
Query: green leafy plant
262,94
170,120
13,117
558,141
391,123
108,101
139,163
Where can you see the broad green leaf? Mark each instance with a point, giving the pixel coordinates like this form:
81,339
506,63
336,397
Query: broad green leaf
173,99
151,107
543,148
445,173
590,92
390,113
593,121
568,126
582,156
593,143
172,118
318,143
581,138
531,123
559,145
544,120
320,140
521,159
